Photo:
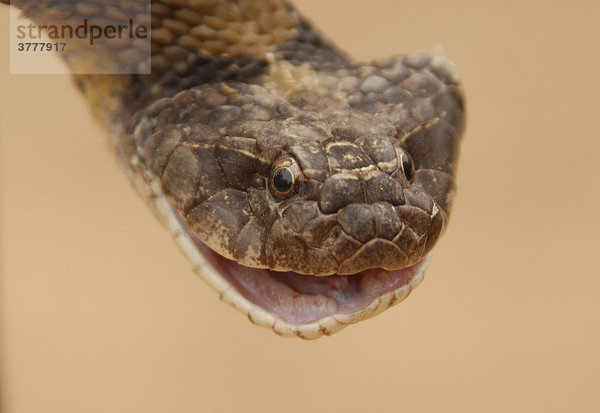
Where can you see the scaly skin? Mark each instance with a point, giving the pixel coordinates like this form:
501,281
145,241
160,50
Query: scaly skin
244,91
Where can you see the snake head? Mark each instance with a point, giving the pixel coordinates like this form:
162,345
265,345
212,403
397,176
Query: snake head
316,203
361,166
307,189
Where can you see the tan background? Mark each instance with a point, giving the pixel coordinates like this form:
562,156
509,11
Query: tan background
101,313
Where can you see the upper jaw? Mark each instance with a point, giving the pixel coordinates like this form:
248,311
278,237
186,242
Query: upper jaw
358,237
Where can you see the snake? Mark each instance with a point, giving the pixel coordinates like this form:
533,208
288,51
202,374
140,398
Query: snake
308,189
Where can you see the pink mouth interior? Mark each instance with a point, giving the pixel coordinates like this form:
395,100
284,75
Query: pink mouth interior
301,299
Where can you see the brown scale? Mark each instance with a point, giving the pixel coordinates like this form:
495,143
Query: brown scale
239,87
224,29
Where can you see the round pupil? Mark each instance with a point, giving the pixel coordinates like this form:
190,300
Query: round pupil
407,166
283,180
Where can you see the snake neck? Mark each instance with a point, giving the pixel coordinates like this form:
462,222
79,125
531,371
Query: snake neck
190,44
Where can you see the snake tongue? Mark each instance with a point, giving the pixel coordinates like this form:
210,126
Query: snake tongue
301,299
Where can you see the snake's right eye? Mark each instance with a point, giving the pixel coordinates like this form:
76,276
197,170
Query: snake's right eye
408,167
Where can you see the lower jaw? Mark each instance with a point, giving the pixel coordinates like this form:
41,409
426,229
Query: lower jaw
301,299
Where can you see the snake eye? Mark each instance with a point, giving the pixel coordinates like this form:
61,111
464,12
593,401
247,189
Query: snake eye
283,180
408,167
284,177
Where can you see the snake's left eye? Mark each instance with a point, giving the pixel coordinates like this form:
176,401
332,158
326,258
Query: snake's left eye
283,180
284,177
408,167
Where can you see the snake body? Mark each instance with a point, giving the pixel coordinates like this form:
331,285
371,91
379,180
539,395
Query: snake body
306,188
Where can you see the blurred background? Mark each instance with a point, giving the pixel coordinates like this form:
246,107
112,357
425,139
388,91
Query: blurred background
100,312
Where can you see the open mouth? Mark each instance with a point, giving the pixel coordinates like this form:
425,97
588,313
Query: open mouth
290,303
303,299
